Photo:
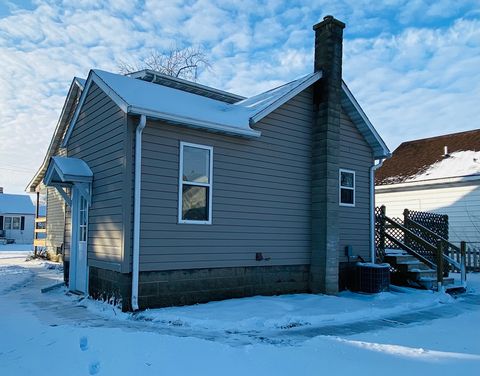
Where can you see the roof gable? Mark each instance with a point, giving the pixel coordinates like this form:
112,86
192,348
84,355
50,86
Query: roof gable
71,101
424,159
363,124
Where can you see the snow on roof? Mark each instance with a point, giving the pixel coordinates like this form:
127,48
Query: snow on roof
72,166
461,163
413,160
170,104
16,204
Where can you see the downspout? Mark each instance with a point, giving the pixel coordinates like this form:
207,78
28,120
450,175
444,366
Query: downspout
136,211
372,207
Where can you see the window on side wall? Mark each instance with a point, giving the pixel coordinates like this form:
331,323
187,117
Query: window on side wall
347,187
195,184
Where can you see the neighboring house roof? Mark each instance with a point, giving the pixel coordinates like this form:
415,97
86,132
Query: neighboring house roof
424,160
66,115
16,204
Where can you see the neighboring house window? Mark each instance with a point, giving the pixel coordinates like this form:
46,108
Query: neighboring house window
11,223
195,184
347,187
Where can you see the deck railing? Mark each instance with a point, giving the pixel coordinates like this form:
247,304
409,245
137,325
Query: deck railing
423,243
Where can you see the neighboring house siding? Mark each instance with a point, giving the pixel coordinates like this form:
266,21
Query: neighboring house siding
355,154
261,195
461,202
24,236
98,138
55,220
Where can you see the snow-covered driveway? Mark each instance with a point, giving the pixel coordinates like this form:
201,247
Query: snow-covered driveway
399,333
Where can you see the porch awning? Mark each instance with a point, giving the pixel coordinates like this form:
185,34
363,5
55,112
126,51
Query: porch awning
66,170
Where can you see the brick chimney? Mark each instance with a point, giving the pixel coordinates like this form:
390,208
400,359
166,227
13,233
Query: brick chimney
325,156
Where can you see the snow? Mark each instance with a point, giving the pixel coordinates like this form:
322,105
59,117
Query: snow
172,104
56,334
72,166
16,204
273,313
460,163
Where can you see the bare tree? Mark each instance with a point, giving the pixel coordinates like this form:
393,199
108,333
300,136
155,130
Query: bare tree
177,62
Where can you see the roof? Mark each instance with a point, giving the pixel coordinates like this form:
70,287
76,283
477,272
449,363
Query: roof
67,170
185,85
363,124
16,204
423,160
66,115
139,97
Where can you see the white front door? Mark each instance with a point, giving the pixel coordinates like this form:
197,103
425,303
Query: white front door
78,263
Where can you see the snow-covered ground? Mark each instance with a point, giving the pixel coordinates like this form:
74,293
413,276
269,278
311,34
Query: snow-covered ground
399,333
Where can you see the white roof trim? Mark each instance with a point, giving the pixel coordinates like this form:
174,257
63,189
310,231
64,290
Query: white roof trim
308,81
364,117
193,122
80,83
426,183
120,102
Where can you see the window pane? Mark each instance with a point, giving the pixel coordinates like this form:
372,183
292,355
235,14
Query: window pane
195,203
16,223
346,179
346,196
8,223
196,164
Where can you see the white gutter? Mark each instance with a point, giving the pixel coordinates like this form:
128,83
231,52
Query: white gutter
372,208
136,211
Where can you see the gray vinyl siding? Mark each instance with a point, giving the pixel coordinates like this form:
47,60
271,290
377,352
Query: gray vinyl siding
99,139
261,195
355,154
55,220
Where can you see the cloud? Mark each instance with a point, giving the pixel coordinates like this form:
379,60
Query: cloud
412,64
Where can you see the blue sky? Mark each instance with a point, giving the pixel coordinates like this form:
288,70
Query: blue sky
412,65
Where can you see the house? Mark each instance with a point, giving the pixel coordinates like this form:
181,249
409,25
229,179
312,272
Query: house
164,192
17,218
439,174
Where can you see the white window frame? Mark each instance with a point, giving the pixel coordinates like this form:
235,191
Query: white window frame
209,184
340,187
11,222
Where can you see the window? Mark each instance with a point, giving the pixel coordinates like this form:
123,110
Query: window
11,223
83,219
347,187
195,184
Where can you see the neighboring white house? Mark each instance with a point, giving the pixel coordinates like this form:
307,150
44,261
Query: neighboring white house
439,174
17,218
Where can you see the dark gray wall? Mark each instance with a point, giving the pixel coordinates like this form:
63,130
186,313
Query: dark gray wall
99,139
355,154
261,195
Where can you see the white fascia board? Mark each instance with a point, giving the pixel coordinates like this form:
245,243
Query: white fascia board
93,77
356,105
424,184
285,98
55,135
194,122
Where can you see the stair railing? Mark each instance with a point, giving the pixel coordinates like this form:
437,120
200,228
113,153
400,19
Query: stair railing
460,266
438,250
